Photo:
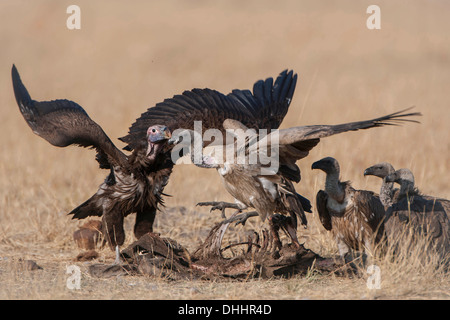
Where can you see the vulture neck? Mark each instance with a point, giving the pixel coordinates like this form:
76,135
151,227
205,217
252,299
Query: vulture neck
334,187
155,149
386,193
407,188
199,159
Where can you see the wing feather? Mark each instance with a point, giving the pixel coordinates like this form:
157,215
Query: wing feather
304,138
63,123
302,133
324,214
371,207
264,108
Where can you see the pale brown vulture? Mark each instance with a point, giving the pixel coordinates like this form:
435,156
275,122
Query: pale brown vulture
427,215
388,193
355,217
136,181
271,190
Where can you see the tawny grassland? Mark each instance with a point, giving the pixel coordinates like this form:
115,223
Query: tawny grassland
128,56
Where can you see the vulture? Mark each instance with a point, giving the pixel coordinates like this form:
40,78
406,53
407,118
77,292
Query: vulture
268,187
354,217
427,215
387,191
136,181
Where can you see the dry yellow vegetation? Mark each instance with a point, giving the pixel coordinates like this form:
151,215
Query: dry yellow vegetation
128,56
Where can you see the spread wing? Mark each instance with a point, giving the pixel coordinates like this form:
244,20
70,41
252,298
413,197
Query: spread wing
296,142
63,123
290,153
269,102
321,204
287,154
264,108
299,135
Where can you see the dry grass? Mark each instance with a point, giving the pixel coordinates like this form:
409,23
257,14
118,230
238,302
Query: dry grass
128,56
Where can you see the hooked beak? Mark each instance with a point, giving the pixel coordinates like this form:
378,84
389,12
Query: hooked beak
315,165
174,140
167,134
368,172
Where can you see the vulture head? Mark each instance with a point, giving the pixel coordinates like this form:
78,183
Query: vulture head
405,178
157,136
380,170
329,165
185,138
402,177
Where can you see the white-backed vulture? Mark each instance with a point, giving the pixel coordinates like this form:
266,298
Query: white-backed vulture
136,181
388,193
273,192
427,215
355,217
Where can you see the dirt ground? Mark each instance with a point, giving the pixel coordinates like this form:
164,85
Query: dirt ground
128,56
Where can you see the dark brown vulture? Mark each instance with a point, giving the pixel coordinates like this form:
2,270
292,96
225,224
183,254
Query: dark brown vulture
268,187
136,181
355,217
427,215
387,192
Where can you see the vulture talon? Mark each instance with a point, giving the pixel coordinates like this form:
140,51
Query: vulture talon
222,210
219,205
242,218
118,258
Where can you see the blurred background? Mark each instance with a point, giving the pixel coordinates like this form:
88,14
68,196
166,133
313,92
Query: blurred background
129,55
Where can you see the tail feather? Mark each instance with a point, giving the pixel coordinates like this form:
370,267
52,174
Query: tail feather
89,208
306,204
295,204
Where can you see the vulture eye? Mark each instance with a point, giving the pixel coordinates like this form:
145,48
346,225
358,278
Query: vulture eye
153,130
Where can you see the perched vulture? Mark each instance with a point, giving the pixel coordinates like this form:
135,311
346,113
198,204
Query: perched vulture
387,192
268,187
135,182
355,217
425,214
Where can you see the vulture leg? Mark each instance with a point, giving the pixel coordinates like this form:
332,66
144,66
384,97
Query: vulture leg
112,224
219,205
344,250
242,218
144,221
288,225
274,228
117,260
